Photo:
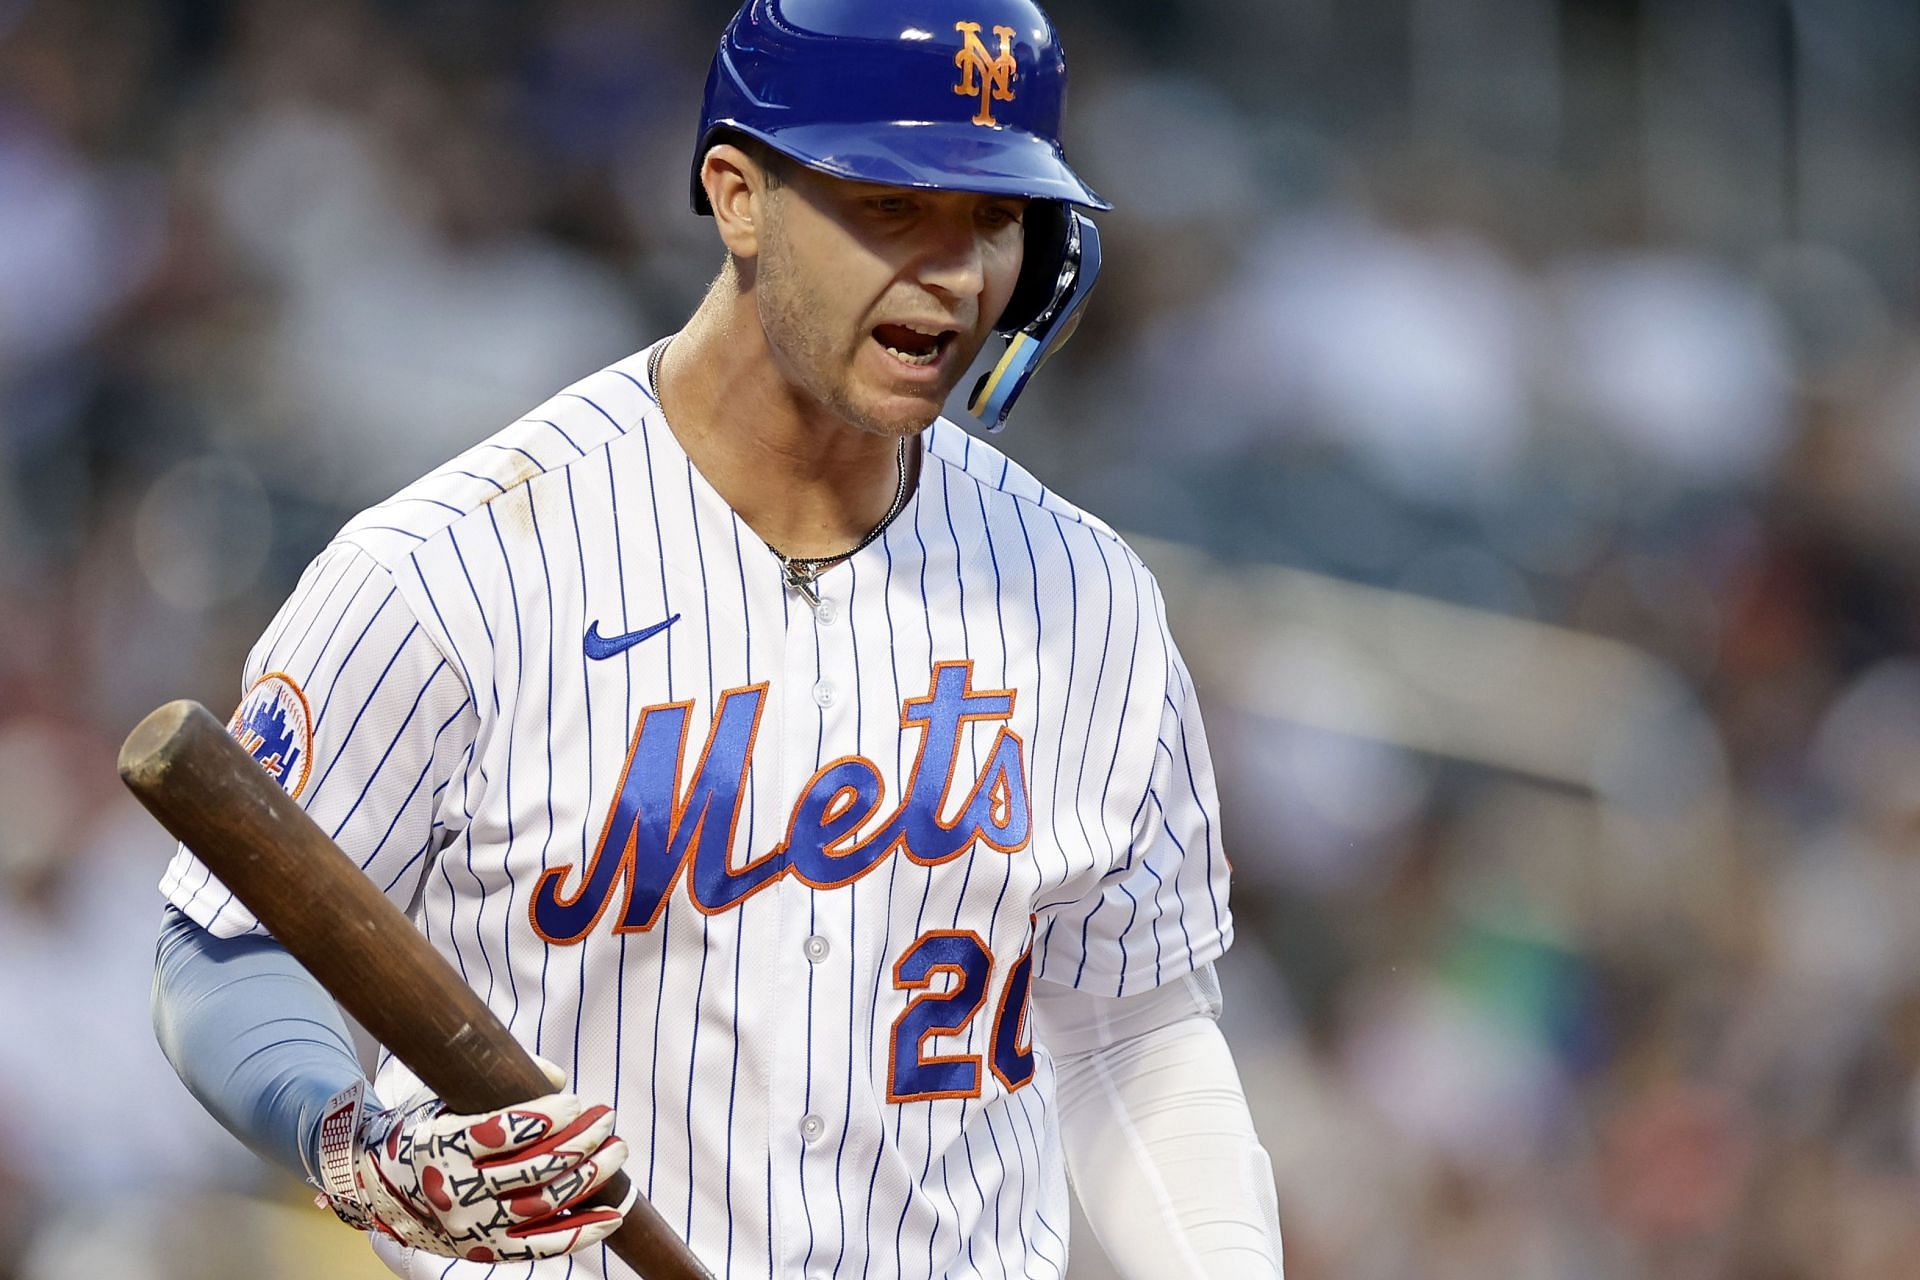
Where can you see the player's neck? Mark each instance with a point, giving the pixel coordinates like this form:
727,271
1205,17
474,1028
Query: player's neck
805,482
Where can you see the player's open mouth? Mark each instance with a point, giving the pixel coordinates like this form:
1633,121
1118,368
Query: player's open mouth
914,347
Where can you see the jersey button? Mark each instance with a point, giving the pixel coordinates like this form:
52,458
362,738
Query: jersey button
828,613
812,1127
817,948
824,693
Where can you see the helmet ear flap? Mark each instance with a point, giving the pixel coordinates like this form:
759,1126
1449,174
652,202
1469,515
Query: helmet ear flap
1048,225
1030,345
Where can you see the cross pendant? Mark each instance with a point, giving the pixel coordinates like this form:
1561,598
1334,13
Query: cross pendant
801,579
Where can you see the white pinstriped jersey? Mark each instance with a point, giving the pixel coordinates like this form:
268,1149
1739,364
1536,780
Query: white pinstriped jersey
766,878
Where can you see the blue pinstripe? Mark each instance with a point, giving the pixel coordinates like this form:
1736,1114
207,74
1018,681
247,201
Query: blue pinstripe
1039,636
498,487
893,872
563,433
853,919
519,682
1181,916
920,918
1006,881
700,984
346,562
615,422
639,386
435,795
586,700
966,876
1073,663
1039,640
480,611
739,934
514,448
310,579
387,755
320,716
626,621
813,927
666,923
453,937
553,647
926,612
1186,757
314,794
1159,914
1086,745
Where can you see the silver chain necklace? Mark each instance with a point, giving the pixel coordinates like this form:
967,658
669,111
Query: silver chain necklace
801,573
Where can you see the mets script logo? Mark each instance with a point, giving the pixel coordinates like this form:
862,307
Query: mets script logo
656,830
983,73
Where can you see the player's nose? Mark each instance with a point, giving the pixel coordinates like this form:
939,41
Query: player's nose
955,252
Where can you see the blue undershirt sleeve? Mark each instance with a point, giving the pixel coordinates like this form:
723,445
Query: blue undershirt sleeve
253,1036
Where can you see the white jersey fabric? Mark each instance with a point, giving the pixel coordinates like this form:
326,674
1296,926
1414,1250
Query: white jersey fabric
795,957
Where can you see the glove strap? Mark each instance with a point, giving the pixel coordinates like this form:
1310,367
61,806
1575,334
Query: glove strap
339,1142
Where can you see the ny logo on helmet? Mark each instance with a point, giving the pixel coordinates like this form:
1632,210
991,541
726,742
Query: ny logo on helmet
984,73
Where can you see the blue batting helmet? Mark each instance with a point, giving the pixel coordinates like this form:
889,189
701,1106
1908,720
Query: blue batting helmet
961,95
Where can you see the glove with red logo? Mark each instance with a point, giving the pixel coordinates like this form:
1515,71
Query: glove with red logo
507,1186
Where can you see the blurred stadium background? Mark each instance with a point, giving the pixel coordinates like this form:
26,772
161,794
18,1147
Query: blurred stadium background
1518,398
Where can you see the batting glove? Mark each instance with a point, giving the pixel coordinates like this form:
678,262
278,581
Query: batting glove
507,1186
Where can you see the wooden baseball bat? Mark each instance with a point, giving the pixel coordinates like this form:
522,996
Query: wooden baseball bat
208,791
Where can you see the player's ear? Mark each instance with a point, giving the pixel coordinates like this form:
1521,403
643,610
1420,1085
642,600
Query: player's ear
737,187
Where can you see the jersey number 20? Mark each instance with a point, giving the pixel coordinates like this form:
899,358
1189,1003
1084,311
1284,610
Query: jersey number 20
912,1074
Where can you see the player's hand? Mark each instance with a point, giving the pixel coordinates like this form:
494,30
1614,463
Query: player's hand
507,1186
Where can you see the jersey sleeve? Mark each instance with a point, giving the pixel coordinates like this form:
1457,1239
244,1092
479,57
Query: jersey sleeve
1161,911
352,706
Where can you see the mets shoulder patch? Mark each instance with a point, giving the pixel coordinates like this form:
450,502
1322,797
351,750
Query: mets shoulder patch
275,725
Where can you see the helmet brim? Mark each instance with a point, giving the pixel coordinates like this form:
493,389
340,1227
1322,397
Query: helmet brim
933,155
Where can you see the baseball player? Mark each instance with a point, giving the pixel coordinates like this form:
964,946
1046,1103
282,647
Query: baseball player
795,775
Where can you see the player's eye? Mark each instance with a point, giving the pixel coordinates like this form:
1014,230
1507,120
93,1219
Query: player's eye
891,206
997,216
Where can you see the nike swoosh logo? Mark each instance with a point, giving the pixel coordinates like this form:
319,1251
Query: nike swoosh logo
600,647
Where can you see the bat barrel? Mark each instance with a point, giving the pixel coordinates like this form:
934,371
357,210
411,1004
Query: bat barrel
148,749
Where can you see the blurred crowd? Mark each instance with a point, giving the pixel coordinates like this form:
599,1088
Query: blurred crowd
1595,318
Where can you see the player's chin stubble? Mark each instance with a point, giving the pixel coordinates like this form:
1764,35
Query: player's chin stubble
814,355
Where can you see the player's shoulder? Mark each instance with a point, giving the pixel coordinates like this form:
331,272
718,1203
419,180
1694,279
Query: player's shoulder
574,425
1009,493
